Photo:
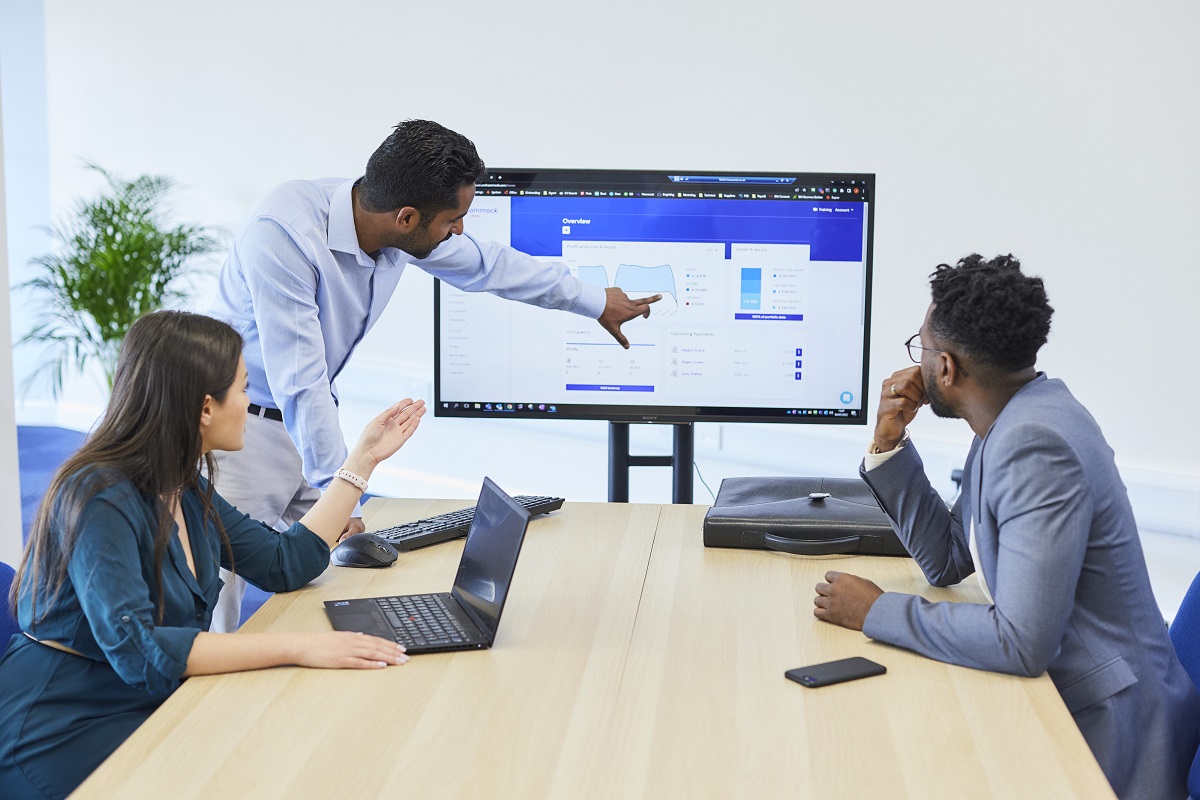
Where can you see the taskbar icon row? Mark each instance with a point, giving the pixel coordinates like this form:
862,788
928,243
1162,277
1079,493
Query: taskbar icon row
821,412
537,408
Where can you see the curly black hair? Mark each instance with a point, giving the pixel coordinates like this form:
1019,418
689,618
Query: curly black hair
420,164
998,316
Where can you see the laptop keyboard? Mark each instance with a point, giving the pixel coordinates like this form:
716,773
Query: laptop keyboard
421,620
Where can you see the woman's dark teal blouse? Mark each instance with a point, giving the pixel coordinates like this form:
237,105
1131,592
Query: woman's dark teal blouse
62,714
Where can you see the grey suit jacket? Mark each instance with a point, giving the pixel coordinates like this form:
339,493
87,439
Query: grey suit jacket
1059,548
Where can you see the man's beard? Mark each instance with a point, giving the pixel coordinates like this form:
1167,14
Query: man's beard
418,246
936,403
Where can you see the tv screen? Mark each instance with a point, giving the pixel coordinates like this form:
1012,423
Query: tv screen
765,313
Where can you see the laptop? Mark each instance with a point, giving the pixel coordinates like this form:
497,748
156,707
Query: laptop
466,617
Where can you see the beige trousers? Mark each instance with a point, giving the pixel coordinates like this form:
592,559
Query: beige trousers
264,479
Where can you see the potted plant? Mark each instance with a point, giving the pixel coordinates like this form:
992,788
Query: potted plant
116,260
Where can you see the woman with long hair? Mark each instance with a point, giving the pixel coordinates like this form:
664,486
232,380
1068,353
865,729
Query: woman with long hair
116,587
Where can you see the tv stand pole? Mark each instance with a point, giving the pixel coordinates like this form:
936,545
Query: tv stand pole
619,461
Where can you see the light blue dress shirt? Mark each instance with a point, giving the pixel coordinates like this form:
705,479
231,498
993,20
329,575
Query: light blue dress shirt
302,294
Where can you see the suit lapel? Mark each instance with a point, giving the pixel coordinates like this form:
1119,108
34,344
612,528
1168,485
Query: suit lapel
975,508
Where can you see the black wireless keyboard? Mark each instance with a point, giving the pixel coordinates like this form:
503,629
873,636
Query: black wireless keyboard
453,524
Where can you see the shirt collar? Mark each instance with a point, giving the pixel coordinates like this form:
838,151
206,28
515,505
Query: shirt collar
343,237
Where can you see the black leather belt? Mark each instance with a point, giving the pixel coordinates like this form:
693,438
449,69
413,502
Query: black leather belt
266,413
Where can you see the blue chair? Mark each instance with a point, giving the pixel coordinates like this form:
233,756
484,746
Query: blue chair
8,625
1185,635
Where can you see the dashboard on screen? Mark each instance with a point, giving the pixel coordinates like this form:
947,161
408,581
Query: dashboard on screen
765,313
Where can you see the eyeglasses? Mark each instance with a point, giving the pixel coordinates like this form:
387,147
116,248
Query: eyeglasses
915,354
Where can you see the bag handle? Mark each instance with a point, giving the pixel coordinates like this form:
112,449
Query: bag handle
811,547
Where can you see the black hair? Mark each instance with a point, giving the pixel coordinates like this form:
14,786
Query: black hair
149,436
420,164
998,316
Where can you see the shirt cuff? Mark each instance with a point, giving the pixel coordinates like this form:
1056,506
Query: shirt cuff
164,653
592,300
873,460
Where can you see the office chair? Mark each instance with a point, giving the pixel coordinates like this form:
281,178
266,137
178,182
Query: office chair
8,625
1185,635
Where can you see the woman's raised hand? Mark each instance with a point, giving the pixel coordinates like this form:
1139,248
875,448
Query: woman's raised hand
388,432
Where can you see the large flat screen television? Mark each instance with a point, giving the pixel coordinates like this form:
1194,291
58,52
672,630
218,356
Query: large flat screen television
765,315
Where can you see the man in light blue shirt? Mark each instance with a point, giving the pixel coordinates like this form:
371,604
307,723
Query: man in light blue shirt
311,274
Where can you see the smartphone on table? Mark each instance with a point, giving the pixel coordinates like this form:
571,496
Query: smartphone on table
831,672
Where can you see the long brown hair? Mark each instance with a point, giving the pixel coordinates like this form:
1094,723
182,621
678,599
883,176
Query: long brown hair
149,436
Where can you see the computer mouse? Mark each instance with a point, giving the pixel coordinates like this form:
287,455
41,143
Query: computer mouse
363,550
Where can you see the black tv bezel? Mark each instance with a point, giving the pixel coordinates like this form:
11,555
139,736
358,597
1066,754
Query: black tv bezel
647,413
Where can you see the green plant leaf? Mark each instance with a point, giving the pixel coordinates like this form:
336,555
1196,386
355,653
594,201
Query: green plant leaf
116,259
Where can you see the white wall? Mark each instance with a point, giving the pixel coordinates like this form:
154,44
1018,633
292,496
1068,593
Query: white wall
27,171
1063,132
10,489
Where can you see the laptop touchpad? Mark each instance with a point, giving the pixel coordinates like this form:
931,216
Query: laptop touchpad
367,623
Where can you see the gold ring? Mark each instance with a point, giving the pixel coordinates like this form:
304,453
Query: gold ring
893,390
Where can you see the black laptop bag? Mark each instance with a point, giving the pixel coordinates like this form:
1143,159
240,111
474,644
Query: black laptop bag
804,516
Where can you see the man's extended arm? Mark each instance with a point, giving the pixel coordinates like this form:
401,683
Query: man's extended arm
474,265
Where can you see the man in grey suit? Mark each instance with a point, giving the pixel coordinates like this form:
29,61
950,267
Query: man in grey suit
1044,518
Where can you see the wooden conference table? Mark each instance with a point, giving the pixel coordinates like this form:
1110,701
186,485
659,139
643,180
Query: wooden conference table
630,662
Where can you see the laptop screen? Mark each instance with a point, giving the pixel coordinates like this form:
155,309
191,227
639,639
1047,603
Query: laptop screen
490,556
